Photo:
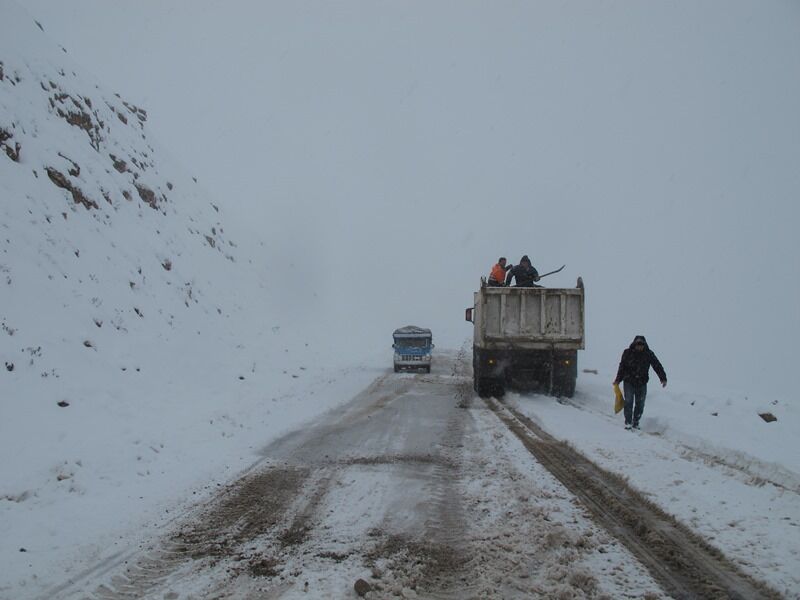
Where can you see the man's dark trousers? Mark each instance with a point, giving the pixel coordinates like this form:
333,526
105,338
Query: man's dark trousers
635,394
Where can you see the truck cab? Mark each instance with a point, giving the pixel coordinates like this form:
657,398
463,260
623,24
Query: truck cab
412,348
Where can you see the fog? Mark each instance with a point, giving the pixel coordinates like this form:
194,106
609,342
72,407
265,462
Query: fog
387,153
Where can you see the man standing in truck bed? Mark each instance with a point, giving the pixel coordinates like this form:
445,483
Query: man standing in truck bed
498,275
634,371
524,273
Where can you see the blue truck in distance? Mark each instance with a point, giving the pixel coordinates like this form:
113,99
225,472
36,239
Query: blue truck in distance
412,348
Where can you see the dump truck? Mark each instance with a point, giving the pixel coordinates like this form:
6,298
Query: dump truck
526,339
412,348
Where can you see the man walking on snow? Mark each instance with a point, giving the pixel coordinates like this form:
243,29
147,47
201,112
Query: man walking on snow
634,369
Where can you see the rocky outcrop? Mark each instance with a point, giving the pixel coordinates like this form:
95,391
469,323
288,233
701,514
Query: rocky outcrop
12,149
78,114
120,165
147,195
61,180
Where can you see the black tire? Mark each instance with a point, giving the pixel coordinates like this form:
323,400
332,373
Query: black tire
428,369
487,387
569,388
396,369
565,377
476,373
564,389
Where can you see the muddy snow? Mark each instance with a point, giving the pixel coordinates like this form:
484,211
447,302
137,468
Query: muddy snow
416,488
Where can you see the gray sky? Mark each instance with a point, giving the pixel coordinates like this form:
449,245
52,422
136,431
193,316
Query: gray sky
389,152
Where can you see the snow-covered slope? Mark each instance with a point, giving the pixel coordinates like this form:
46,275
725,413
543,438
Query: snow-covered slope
139,352
101,234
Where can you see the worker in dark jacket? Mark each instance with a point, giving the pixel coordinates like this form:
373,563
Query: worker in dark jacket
634,372
524,273
497,277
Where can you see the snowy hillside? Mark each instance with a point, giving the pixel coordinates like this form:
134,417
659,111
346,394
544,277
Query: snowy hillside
104,240
94,213
135,331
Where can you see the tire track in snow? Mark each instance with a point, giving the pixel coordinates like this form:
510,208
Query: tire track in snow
682,562
747,468
249,508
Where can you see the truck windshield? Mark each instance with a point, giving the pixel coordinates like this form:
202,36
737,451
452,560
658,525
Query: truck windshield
412,343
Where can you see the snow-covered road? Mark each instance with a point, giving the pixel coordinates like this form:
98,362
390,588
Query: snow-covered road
414,487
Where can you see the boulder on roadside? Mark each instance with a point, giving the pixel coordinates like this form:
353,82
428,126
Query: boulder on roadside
362,587
768,417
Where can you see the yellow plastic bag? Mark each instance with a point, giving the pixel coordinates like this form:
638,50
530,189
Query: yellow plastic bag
619,401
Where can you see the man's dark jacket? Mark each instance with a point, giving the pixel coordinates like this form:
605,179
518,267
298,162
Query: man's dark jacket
524,273
635,364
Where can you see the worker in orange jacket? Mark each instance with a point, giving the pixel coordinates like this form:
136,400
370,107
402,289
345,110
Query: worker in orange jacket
497,277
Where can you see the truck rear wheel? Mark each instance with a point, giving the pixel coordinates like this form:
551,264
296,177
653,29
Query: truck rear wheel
489,386
565,374
564,388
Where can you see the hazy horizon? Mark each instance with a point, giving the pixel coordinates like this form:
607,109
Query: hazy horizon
387,154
